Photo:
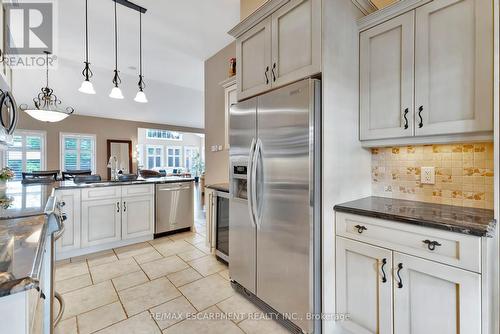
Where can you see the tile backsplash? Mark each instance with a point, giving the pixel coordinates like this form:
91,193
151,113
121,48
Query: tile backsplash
464,173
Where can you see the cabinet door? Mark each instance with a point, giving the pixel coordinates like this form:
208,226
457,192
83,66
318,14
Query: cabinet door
361,289
386,79
435,298
71,237
137,217
253,53
454,66
296,41
101,221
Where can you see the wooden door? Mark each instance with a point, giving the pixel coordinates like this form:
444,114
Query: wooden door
296,41
434,298
101,221
362,292
253,64
454,66
137,216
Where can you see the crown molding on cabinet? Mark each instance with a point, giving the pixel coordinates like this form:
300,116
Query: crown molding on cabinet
389,12
365,6
228,82
260,13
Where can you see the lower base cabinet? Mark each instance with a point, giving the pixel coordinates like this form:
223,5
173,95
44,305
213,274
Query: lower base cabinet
101,221
379,287
137,217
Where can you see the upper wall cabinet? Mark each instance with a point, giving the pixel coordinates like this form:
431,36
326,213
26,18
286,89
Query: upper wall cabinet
426,73
280,43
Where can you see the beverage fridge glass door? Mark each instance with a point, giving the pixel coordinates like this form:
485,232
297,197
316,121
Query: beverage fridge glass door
285,220
242,138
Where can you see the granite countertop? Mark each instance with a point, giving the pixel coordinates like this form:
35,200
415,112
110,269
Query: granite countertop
107,183
478,222
219,187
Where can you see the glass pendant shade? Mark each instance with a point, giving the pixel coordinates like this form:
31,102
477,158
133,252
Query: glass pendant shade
116,93
141,97
47,115
87,88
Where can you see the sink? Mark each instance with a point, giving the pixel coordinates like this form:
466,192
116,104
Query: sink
127,177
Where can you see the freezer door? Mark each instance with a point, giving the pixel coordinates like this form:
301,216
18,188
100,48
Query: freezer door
242,231
285,200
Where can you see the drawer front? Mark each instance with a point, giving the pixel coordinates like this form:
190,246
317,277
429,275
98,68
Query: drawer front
459,250
138,190
90,194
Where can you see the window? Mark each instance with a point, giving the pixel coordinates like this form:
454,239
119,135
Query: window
154,156
77,151
174,157
27,154
190,152
163,134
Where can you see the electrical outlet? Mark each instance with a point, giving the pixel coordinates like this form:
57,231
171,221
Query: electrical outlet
428,175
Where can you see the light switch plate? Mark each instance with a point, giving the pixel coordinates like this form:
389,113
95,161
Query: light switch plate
428,175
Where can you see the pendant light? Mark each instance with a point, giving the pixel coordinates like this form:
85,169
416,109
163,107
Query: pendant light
87,87
141,96
116,92
47,103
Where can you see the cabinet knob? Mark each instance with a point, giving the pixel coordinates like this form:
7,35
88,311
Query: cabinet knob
62,204
360,228
431,245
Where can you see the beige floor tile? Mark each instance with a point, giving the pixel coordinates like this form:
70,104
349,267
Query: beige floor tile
100,318
191,255
174,247
133,250
129,280
238,306
108,271
163,267
181,236
102,258
73,283
172,312
203,247
71,270
209,323
160,241
225,274
139,324
67,326
207,291
89,298
62,262
148,257
254,326
183,277
207,265
147,295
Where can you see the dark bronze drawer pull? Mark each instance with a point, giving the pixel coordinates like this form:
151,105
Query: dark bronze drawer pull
406,118
384,277
400,280
360,228
431,244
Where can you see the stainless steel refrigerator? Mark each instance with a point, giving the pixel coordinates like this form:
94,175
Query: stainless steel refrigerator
275,202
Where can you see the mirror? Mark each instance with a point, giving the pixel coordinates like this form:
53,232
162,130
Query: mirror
122,150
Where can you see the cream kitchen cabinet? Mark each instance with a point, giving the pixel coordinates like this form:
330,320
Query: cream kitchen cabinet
137,216
425,73
277,45
101,221
71,208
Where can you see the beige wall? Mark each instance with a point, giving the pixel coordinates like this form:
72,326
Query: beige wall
216,70
103,128
247,7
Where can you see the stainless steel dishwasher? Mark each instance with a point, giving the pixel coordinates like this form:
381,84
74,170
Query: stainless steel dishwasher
174,207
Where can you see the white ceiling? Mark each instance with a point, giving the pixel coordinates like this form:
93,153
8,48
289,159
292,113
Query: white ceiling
178,36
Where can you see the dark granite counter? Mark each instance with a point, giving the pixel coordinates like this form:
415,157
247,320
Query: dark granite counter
105,183
219,187
478,222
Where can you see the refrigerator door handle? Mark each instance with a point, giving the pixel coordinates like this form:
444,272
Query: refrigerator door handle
255,200
250,186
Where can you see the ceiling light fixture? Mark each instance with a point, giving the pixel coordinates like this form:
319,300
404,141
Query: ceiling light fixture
46,103
116,92
87,87
141,96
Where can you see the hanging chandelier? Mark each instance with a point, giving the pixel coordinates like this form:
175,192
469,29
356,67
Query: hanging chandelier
141,96
116,92
47,103
87,87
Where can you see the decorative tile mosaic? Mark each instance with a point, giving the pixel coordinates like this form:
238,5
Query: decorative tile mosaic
464,173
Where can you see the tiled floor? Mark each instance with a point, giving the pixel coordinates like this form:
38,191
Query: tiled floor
170,285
